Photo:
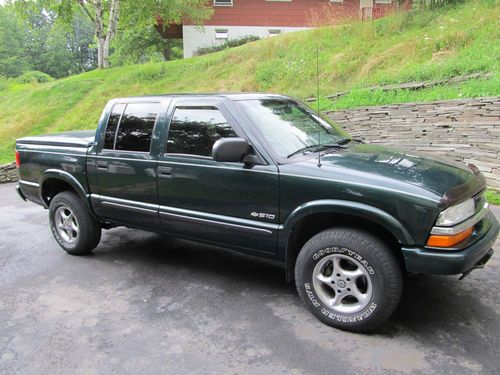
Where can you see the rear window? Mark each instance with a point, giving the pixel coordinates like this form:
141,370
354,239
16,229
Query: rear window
114,119
135,128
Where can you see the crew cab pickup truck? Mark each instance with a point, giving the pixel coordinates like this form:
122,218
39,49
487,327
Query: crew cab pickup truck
265,175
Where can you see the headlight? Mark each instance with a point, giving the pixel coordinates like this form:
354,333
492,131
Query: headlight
456,214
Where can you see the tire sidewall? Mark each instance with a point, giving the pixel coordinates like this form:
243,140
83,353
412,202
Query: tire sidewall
59,201
313,252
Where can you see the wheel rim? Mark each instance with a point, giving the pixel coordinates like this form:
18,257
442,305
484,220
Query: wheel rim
66,224
342,283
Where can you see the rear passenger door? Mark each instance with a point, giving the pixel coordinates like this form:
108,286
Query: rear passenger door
126,166
231,204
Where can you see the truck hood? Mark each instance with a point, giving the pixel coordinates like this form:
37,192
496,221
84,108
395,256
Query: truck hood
393,168
82,138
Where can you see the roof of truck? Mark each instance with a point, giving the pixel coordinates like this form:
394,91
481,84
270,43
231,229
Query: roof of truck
232,96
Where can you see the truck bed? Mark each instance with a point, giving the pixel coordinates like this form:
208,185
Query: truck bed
82,138
63,154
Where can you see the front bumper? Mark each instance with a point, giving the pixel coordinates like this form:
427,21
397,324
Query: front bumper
452,262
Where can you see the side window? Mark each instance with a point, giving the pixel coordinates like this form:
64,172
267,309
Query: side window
136,127
114,118
193,131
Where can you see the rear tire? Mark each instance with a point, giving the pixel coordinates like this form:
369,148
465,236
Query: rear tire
349,279
73,226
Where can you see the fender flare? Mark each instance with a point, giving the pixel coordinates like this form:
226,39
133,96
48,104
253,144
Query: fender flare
351,208
56,174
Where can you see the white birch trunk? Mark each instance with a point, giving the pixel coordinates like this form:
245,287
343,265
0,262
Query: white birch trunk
114,17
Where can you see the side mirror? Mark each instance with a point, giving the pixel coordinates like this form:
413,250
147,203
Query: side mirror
230,149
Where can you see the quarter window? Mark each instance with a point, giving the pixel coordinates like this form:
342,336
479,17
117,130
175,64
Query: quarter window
114,119
136,127
193,131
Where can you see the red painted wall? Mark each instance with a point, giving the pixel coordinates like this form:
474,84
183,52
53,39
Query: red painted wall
294,13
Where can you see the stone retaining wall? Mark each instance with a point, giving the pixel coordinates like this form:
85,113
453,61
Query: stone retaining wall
8,173
464,130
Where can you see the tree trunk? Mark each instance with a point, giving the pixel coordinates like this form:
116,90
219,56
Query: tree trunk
114,17
104,37
167,52
99,32
105,53
100,53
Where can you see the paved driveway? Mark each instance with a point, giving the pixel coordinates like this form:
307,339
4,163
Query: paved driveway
145,304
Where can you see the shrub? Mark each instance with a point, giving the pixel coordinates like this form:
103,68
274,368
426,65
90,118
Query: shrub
4,83
229,44
34,76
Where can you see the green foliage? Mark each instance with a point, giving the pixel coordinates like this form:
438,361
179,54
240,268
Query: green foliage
131,30
400,48
493,197
138,46
435,4
139,40
31,38
13,57
34,76
4,83
139,14
227,44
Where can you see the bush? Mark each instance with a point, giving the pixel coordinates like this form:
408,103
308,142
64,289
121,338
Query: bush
4,83
34,76
229,44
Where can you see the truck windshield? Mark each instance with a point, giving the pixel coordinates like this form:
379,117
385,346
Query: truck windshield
291,128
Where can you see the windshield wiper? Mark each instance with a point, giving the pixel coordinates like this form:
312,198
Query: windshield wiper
303,149
313,147
343,141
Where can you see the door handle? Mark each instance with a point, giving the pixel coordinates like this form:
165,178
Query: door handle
165,172
102,165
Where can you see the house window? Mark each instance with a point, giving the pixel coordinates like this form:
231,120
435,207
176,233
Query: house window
221,34
383,1
274,32
224,3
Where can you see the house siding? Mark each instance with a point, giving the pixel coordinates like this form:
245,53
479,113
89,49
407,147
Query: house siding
295,13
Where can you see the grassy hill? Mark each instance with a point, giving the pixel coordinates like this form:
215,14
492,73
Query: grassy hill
401,48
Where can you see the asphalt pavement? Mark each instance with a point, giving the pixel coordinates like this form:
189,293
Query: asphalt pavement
147,304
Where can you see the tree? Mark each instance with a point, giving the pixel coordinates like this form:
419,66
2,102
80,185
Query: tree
140,21
140,45
54,47
107,15
13,59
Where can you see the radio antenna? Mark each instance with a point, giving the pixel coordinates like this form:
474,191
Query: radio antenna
317,102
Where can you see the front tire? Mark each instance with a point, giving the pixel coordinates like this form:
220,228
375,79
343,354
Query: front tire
73,226
349,279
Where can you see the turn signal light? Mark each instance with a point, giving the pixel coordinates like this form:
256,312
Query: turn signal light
449,241
18,159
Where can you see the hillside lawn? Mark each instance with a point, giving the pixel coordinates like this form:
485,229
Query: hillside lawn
406,47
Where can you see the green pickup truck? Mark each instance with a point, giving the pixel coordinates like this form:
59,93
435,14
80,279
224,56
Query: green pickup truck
265,175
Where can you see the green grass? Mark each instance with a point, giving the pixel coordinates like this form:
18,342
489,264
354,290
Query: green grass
361,98
493,197
401,48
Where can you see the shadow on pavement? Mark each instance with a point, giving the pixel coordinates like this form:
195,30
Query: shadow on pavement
428,304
